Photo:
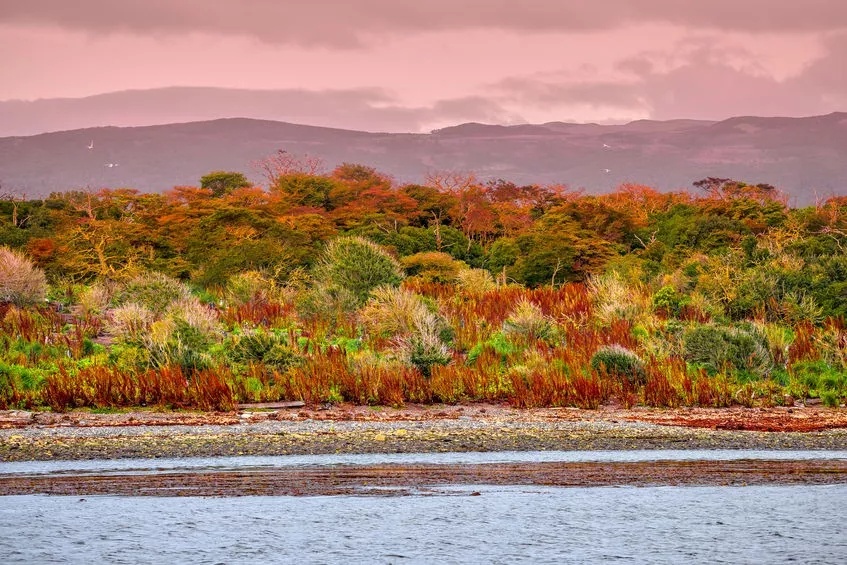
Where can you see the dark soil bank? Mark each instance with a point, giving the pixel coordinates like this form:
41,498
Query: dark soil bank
394,480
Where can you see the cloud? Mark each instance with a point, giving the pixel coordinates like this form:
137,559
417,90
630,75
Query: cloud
828,75
697,80
594,94
347,24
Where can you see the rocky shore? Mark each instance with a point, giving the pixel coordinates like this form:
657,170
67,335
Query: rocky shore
29,436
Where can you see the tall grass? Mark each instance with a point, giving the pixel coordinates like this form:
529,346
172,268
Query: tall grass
420,342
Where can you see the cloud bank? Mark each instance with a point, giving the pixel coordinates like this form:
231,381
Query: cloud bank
346,23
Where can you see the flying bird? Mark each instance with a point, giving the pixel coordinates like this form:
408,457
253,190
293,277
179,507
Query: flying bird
606,146
110,165
607,170
91,144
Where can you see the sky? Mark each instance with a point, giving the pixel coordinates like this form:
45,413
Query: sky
417,65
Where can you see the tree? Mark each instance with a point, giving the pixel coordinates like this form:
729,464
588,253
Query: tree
433,206
222,183
301,190
283,163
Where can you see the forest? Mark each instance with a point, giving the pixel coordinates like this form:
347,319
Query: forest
346,286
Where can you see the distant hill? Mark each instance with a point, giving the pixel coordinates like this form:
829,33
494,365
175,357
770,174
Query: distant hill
350,109
803,156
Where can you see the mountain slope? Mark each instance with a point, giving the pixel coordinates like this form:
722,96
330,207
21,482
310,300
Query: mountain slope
803,156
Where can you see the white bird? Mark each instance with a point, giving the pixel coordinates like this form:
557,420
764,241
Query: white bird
91,144
110,165
607,146
607,170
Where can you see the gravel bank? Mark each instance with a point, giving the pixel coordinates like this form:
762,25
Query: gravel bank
257,435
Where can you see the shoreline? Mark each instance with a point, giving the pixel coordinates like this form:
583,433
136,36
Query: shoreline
27,436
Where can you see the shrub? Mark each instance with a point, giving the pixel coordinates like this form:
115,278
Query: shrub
195,314
527,321
621,363
779,340
800,307
174,342
830,399
251,285
21,283
130,322
717,348
432,266
393,311
615,300
475,281
95,299
424,347
669,300
260,346
358,266
424,351
326,302
820,377
498,343
154,291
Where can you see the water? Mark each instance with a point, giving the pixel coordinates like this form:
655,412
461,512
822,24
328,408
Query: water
755,524
103,466
504,525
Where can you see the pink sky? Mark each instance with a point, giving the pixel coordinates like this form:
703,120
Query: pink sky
428,64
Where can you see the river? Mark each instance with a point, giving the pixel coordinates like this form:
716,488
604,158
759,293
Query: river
452,524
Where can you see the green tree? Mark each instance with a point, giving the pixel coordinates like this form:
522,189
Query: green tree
222,183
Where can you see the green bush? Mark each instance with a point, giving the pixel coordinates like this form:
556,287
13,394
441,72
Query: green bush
498,342
154,291
357,266
620,362
424,347
820,378
259,346
669,300
179,343
17,377
126,357
830,399
241,288
717,348
424,351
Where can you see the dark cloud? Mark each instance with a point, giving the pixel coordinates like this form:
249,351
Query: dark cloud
347,23
704,86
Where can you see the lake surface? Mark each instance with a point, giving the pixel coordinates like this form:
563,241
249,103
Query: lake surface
502,525
457,524
101,466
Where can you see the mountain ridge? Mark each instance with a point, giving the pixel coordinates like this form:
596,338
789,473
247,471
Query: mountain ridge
802,156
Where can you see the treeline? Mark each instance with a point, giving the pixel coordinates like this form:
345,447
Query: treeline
736,249
347,287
